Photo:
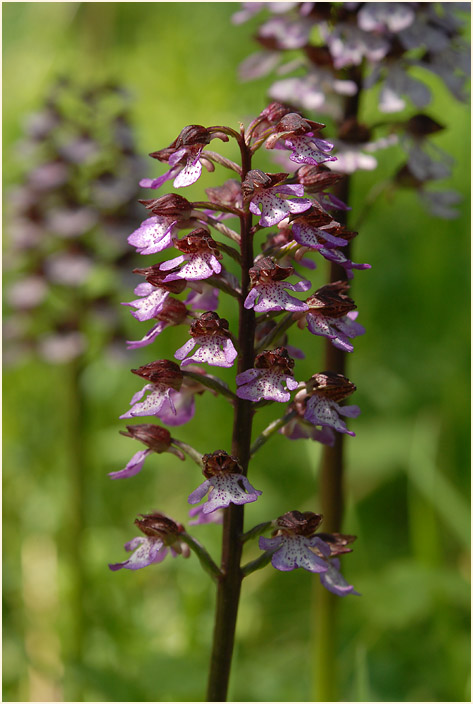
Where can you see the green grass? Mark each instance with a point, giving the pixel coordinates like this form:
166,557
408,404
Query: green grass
148,633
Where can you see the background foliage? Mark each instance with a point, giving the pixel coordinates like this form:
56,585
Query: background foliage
147,634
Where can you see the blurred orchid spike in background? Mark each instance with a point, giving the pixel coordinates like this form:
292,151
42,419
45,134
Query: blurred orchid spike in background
324,54
67,222
301,208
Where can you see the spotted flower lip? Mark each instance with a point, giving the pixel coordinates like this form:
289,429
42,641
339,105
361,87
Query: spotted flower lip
294,544
185,157
154,235
225,484
161,535
267,292
272,200
323,391
270,379
332,315
171,312
212,334
164,376
200,258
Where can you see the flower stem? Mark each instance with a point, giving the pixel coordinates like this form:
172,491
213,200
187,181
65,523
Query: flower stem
189,451
270,430
331,480
205,560
229,583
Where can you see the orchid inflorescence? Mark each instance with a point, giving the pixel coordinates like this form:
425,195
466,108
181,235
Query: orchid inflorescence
325,53
67,221
300,214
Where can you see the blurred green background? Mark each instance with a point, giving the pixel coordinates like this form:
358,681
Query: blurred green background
146,635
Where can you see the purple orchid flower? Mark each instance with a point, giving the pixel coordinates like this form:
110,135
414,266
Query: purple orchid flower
269,379
267,292
200,254
216,348
225,481
161,536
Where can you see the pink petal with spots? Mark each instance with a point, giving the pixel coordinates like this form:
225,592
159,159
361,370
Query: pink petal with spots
152,403
150,306
153,235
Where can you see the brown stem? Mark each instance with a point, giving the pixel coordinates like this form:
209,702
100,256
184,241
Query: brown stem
229,583
331,477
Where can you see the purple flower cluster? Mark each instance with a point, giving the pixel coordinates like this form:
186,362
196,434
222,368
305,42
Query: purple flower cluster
67,222
358,46
300,212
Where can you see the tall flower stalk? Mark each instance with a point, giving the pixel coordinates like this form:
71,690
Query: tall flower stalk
290,218
326,57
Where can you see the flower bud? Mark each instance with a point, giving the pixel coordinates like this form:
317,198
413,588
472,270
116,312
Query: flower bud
422,125
198,241
267,270
158,525
169,206
155,277
297,523
163,371
317,178
256,180
155,437
215,463
173,312
331,300
279,357
333,386
209,323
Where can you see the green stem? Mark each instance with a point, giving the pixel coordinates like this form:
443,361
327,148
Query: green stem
189,451
212,383
204,558
270,430
257,564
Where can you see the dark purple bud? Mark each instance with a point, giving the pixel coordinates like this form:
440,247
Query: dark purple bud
297,523
163,371
278,357
266,270
333,386
257,180
169,206
274,112
317,178
318,55
155,437
405,178
337,542
198,241
422,125
192,134
155,277
209,323
215,463
331,300
173,312
158,525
